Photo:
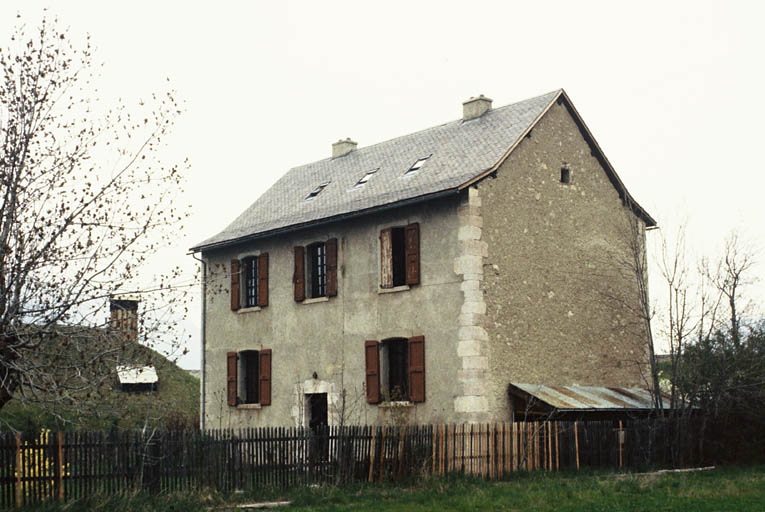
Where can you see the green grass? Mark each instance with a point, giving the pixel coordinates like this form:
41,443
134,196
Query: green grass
176,401
728,489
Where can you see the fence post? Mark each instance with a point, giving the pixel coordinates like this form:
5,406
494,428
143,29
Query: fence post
576,444
58,468
19,468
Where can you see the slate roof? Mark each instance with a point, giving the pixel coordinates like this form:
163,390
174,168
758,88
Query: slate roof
459,151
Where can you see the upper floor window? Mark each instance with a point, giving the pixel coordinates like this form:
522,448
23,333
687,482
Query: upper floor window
249,282
400,256
317,269
315,272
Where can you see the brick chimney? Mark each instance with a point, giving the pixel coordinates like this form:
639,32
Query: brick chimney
342,148
123,310
475,107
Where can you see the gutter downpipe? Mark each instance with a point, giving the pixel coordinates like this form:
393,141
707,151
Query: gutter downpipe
202,373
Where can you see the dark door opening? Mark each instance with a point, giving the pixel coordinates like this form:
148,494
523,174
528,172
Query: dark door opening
317,422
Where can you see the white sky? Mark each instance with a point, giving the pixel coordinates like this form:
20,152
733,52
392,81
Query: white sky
669,89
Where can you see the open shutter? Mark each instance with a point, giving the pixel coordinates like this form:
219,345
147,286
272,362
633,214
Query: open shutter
413,253
417,369
386,258
331,267
265,376
372,357
263,280
231,378
235,280
298,277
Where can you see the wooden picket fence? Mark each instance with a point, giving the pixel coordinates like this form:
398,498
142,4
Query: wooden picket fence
70,465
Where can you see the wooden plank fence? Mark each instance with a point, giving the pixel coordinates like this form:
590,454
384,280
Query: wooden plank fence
70,465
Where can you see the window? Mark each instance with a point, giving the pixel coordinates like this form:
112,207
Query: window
315,270
416,166
365,178
316,192
395,370
253,272
565,174
400,256
249,377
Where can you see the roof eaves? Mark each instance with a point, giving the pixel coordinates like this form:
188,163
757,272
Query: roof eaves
325,220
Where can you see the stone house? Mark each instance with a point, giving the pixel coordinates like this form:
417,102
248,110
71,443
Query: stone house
413,280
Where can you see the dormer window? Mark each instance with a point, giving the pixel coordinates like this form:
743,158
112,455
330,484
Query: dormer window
565,174
316,192
365,178
416,166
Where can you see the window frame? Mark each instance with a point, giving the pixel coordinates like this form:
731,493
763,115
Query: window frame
316,266
250,288
245,378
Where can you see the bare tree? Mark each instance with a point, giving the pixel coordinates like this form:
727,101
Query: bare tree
85,200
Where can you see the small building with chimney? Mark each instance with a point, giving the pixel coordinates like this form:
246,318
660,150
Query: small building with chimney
413,280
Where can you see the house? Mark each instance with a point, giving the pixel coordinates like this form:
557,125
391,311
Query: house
413,280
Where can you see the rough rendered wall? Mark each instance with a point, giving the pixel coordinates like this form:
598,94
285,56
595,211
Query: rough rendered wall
556,302
328,337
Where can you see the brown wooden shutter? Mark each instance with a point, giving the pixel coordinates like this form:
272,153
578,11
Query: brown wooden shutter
372,357
413,253
231,378
265,377
417,369
235,280
263,280
386,258
298,277
331,267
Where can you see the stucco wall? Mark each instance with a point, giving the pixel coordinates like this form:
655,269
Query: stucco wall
328,337
558,310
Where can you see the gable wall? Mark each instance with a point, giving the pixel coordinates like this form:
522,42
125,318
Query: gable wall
558,310
328,337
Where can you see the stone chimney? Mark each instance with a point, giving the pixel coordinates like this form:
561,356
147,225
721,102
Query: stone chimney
123,310
342,147
475,107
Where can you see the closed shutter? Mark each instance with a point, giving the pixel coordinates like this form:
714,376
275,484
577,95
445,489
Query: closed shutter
331,267
413,253
235,280
298,277
263,280
372,358
231,378
417,369
386,258
265,376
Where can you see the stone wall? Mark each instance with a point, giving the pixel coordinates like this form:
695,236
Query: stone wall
560,308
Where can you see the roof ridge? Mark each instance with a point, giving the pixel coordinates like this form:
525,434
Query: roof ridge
424,130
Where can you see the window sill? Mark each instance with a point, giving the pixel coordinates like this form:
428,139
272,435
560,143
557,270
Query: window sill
394,289
248,406
391,405
248,310
315,300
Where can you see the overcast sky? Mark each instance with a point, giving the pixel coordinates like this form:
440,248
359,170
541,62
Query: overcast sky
671,90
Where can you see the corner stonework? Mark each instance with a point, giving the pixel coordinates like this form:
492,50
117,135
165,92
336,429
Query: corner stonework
472,338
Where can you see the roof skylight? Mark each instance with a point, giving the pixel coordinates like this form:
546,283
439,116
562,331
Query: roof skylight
316,192
416,166
365,178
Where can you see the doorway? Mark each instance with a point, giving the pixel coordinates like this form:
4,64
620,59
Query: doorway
316,405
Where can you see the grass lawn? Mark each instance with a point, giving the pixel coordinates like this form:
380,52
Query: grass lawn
728,489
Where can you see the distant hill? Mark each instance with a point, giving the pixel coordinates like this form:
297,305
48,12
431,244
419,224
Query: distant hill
175,404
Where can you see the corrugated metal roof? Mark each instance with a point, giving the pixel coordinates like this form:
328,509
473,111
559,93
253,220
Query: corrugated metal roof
590,397
137,375
459,151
